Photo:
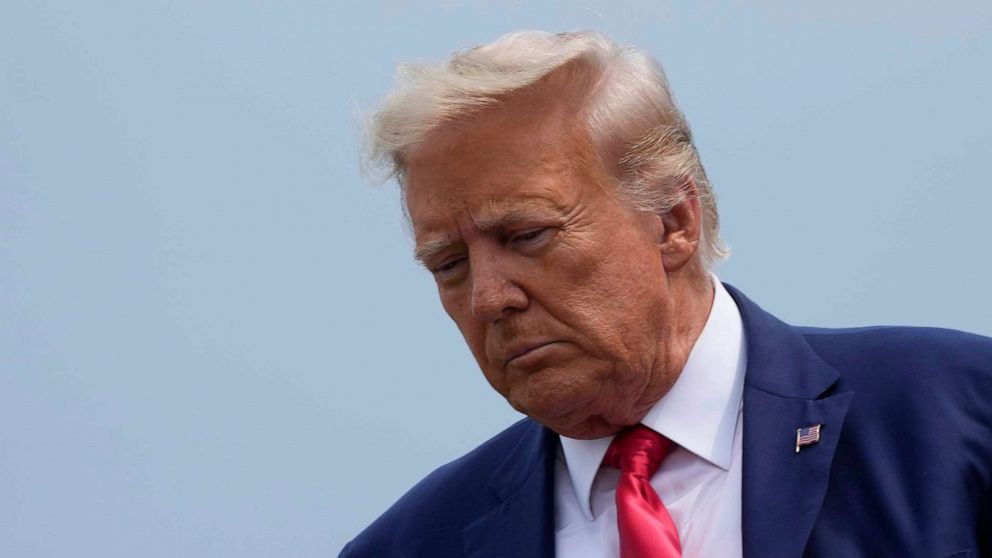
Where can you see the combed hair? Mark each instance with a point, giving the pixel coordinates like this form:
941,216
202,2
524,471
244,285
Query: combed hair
631,117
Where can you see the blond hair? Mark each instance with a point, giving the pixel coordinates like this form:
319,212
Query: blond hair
630,114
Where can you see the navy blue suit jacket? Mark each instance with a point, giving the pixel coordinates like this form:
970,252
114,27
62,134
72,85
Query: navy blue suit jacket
903,467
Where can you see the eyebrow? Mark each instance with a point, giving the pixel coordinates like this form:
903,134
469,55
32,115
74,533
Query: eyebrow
500,219
432,248
497,218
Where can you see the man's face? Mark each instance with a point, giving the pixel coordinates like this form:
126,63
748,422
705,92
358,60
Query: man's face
558,287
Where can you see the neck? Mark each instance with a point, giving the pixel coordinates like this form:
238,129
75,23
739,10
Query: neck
692,298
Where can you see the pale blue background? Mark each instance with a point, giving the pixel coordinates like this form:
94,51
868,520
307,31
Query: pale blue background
213,341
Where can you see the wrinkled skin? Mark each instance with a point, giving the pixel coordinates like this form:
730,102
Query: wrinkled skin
580,310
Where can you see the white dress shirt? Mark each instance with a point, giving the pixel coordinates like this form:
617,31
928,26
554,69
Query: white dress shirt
699,481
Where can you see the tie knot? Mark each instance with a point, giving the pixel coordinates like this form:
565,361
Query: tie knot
637,450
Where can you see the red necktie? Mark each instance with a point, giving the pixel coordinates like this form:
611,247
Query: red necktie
646,528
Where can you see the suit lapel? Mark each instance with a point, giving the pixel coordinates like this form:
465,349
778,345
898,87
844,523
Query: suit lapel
783,490
522,524
787,386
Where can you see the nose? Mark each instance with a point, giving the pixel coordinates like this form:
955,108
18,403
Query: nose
494,295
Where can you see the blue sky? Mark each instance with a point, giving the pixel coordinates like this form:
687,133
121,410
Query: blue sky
213,340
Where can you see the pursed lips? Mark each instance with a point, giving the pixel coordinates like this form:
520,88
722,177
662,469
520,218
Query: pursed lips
521,349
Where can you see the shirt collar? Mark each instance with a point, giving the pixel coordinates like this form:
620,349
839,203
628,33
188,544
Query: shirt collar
699,413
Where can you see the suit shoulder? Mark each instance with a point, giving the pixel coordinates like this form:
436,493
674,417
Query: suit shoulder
913,376
917,347
429,518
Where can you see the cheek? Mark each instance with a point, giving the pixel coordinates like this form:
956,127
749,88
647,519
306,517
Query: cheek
458,308
609,292
456,305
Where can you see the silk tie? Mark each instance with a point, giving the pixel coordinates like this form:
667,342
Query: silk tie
646,528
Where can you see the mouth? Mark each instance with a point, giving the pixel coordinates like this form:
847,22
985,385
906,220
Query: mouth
523,349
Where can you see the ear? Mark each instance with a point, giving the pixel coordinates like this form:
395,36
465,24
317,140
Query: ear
679,240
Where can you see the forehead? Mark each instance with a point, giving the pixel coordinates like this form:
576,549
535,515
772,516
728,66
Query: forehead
515,157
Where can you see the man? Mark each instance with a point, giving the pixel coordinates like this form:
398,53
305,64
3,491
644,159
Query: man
557,198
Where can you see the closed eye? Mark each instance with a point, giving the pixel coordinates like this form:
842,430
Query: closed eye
532,236
448,265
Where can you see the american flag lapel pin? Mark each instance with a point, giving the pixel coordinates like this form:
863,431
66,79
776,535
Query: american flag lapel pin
807,436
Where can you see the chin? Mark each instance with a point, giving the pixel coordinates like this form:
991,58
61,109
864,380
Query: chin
581,420
589,428
553,408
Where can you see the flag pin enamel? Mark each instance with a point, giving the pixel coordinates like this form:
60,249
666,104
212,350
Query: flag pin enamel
807,436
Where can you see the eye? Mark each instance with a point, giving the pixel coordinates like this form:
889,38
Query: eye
531,236
448,266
